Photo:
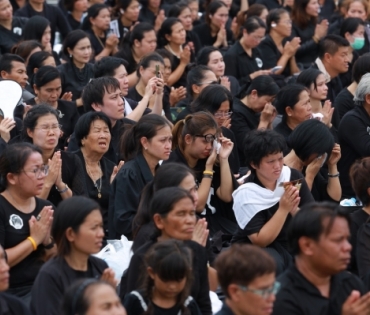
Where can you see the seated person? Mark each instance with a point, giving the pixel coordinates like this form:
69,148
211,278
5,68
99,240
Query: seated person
263,207
318,282
253,110
247,278
103,95
116,68
354,137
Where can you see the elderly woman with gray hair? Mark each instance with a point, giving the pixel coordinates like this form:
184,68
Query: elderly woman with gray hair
354,134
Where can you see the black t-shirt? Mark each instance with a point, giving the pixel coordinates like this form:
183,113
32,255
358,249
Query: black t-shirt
126,54
54,279
92,191
263,216
14,229
73,79
134,305
297,295
204,32
12,305
240,65
8,38
344,103
243,120
285,131
75,25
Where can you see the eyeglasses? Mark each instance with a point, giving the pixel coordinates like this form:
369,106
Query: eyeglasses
258,39
208,138
38,171
46,128
222,114
264,293
208,82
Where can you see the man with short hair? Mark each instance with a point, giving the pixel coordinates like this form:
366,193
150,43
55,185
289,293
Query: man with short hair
12,67
247,277
116,68
318,283
104,95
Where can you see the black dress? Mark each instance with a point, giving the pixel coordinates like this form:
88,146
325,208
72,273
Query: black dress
8,38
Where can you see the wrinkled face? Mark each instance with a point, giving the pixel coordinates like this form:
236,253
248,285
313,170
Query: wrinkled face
179,223
81,53
357,10
89,238
331,254
46,132
50,92
220,17
312,8
102,20
252,303
6,10
178,35
186,20
302,110
216,63
159,147
321,91
270,167
99,137
284,26
104,300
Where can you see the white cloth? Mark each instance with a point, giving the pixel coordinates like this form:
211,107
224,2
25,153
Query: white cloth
250,198
321,67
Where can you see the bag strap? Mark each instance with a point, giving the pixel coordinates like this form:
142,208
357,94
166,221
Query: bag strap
141,300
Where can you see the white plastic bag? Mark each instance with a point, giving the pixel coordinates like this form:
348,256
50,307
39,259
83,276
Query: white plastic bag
117,254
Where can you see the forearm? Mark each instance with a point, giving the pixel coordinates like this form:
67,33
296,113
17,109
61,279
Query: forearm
19,252
282,62
158,104
132,79
138,112
263,124
293,66
334,189
244,6
270,230
225,190
203,191
309,180
176,75
104,53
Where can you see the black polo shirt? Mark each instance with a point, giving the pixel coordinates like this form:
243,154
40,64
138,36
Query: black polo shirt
243,120
299,296
240,65
8,38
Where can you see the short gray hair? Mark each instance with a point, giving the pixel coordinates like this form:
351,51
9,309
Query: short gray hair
362,90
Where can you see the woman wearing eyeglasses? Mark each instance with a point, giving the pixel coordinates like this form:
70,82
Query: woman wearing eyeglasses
66,178
193,145
25,220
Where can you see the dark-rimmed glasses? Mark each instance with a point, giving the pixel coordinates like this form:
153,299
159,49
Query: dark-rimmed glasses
263,293
208,138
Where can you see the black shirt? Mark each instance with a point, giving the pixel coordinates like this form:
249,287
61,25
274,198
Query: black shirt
243,120
200,287
240,65
54,278
126,54
107,167
285,131
72,175
75,25
270,4
12,305
363,248
125,196
344,102
309,50
73,79
134,306
14,229
358,219
225,310
262,217
354,139
204,32
8,38
57,19
299,296
327,10
97,43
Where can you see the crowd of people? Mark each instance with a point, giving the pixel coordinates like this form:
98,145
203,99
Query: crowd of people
229,141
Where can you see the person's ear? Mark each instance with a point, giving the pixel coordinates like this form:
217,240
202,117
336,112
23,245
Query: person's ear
188,139
328,57
91,19
4,74
347,35
141,70
136,43
306,245
10,177
168,37
35,89
96,107
289,111
158,221
195,88
30,133
367,98
35,70
70,235
144,142
254,166
254,94
150,272
234,292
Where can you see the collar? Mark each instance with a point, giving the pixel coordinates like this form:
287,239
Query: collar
144,168
321,67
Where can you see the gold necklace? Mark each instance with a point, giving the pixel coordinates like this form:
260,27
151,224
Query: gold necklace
92,178
98,38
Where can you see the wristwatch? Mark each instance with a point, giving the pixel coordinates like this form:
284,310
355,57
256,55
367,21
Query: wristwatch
51,245
63,190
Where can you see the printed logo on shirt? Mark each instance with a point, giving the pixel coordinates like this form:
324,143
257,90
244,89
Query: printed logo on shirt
259,62
16,221
17,30
368,130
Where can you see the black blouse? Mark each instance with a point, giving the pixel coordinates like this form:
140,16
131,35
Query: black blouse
8,38
204,32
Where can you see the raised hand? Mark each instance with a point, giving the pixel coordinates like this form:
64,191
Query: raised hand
6,125
40,226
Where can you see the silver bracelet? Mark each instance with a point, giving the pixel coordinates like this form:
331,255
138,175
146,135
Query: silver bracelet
333,175
63,190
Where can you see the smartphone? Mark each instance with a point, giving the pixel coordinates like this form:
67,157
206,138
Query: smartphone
274,69
157,73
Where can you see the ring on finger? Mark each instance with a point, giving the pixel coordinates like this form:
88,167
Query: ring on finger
38,218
